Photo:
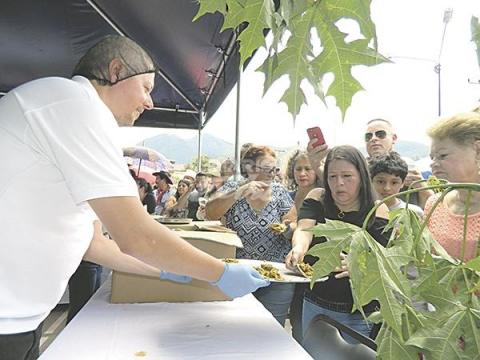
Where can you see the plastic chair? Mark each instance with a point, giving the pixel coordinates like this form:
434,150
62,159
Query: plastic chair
322,340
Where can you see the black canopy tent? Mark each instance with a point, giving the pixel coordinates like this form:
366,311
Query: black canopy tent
198,65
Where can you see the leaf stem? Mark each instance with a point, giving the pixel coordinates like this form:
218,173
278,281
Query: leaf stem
465,220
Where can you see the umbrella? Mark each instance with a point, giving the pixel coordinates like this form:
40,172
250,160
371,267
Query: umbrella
148,157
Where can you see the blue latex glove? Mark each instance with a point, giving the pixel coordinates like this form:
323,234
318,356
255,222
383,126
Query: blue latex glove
238,280
183,279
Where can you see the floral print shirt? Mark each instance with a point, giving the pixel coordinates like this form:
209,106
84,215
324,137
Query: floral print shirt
253,228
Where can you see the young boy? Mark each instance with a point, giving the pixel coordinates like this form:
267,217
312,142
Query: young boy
388,174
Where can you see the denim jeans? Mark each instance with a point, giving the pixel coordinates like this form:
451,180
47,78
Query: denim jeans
354,321
23,346
276,298
82,285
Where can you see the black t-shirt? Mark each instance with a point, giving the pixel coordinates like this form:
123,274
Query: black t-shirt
337,291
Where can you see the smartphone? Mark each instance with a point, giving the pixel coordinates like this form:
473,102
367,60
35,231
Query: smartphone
316,133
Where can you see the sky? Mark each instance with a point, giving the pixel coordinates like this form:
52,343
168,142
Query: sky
404,91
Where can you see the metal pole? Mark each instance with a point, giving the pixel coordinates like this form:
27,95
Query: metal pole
199,154
447,16
237,129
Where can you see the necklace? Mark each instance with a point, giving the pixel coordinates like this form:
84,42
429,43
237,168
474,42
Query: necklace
341,214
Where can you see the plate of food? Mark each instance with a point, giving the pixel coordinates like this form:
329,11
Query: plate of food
168,220
278,272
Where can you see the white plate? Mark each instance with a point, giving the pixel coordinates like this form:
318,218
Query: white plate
288,276
175,220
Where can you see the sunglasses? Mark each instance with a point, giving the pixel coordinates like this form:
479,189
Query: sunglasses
380,134
265,170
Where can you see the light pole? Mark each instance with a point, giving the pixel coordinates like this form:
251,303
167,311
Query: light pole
447,16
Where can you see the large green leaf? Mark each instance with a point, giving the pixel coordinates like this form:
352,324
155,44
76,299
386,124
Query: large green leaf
474,264
211,6
296,59
258,14
376,278
334,229
475,27
443,341
338,56
391,347
328,254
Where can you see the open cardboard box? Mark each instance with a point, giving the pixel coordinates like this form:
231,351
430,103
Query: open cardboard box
130,288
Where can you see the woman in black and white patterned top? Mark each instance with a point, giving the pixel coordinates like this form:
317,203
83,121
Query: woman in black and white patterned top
250,208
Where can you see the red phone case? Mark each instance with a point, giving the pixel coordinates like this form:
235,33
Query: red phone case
316,133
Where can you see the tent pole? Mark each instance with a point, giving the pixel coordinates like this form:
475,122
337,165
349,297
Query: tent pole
199,155
237,129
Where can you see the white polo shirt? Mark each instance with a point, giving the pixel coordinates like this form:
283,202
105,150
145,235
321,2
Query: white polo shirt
58,150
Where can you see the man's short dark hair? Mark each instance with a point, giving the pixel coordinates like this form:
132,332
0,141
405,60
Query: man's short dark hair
389,163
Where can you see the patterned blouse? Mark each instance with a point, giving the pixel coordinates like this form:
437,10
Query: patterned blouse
259,242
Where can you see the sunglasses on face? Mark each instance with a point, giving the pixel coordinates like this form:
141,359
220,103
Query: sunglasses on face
265,170
380,134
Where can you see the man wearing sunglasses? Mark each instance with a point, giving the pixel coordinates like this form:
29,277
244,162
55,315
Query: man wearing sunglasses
379,140
379,137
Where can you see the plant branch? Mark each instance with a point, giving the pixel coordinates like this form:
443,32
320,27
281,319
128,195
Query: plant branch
465,219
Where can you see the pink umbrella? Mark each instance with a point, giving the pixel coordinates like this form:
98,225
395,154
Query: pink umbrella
147,157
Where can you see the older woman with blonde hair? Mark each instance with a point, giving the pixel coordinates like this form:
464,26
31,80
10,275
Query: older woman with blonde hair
455,154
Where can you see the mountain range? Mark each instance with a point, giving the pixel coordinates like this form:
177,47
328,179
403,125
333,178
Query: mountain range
183,151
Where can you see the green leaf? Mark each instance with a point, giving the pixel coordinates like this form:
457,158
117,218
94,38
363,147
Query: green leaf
442,341
210,6
378,280
334,229
294,61
258,14
338,56
474,264
328,254
391,347
428,285
475,27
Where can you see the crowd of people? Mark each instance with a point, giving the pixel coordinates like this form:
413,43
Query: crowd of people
85,214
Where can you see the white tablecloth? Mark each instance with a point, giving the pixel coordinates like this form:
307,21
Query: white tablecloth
238,329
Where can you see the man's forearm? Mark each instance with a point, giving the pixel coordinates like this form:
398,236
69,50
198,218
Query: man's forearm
139,235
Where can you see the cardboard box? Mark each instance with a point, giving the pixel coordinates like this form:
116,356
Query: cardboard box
130,288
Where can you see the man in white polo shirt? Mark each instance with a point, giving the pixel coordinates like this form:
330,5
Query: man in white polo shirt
62,170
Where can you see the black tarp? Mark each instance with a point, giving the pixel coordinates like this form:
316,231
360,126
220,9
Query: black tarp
41,38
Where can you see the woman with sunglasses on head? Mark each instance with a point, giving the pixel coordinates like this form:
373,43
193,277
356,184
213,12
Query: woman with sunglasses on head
250,209
347,196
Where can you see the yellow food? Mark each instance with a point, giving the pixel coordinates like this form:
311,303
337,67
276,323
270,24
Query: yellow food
305,269
278,228
230,260
140,353
269,271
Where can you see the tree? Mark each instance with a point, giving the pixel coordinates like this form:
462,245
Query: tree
205,163
295,26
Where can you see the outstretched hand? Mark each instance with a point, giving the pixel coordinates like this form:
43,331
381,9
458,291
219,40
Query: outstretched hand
239,280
